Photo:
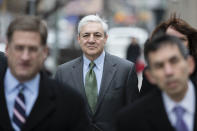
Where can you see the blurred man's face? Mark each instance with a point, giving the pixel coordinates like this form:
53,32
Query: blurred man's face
170,71
25,54
182,37
92,39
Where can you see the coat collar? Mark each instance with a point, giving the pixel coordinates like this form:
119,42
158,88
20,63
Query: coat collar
159,122
109,70
44,105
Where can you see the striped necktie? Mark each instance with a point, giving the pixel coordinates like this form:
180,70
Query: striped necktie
91,87
19,116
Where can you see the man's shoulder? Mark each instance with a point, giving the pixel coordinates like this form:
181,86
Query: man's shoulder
2,56
121,63
58,88
139,113
70,63
119,60
141,106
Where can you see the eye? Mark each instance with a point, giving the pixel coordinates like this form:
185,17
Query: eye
183,39
19,48
33,49
98,35
174,60
158,65
85,36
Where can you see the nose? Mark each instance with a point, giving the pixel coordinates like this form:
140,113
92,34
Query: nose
168,69
91,38
25,54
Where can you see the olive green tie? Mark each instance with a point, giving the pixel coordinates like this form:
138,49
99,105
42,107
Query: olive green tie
91,87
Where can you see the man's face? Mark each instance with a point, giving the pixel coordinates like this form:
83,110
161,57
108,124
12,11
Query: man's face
169,70
92,39
25,54
182,37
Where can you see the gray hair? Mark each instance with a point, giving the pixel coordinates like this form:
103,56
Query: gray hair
92,18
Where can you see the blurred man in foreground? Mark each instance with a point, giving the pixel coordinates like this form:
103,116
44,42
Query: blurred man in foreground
171,107
29,100
174,26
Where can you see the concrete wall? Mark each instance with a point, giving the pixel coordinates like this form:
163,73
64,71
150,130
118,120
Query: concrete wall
187,9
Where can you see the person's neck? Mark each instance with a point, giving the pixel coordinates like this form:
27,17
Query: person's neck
179,97
92,58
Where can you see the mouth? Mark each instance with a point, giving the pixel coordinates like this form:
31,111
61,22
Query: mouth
91,47
172,84
25,65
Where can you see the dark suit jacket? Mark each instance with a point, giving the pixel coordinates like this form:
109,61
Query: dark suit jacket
56,109
148,114
119,87
3,64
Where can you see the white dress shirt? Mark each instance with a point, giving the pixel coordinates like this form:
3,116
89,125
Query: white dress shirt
98,69
30,93
188,103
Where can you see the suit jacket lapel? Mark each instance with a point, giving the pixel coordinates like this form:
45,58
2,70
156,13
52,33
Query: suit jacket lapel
44,105
159,122
109,70
77,76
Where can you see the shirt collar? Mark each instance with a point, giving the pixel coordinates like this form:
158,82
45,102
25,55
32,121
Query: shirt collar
98,61
10,86
188,102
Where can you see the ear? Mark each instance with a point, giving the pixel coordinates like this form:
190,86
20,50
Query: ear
46,52
6,49
149,76
191,64
78,37
106,37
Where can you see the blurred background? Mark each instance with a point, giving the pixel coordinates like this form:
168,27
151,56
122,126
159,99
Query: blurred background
126,18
